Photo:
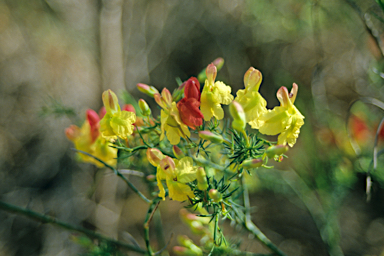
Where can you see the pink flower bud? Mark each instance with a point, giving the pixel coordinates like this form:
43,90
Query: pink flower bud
154,156
72,132
252,78
93,120
219,63
102,112
166,96
283,96
252,163
211,72
149,90
129,108
111,102
151,177
177,152
207,135
180,250
276,150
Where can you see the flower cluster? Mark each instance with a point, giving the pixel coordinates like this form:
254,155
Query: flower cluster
187,110
88,139
187,154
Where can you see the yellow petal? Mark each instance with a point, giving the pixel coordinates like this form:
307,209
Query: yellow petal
106,129
185,171
159,177
121,123
178,191
223,93
273,121
292,132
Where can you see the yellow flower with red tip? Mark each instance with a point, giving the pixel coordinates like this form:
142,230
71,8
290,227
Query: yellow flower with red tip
250,99
88,139
115,123
214,94
171,124
285,119
176,174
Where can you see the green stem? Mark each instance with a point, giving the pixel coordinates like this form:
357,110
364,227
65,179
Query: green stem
216,227
48,219
151,210
118,174
251,227
141,136
210,164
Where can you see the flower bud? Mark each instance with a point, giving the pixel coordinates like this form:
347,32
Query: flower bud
252,163
215,195
211,72
149,90
154,156
102,112
197,227
219,63
276,150
165,99
151,177
144,107
93,120
237,112
110,101
188,243
177,152
180,250
129,108
202,183
192,88
207,135
72,132
252,79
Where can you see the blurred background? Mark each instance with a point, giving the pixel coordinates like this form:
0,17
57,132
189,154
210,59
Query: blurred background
58,56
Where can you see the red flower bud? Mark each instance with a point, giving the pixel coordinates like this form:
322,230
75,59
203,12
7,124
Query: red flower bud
192,88
129,108
93,120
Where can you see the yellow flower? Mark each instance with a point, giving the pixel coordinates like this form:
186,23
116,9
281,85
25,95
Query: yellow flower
285,119
98,147
115,123
176,173
171,123
214,94
250,99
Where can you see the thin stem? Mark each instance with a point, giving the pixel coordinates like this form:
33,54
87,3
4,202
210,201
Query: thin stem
209,163
118,174
151,210
48,219
216,227
141,136
250,226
